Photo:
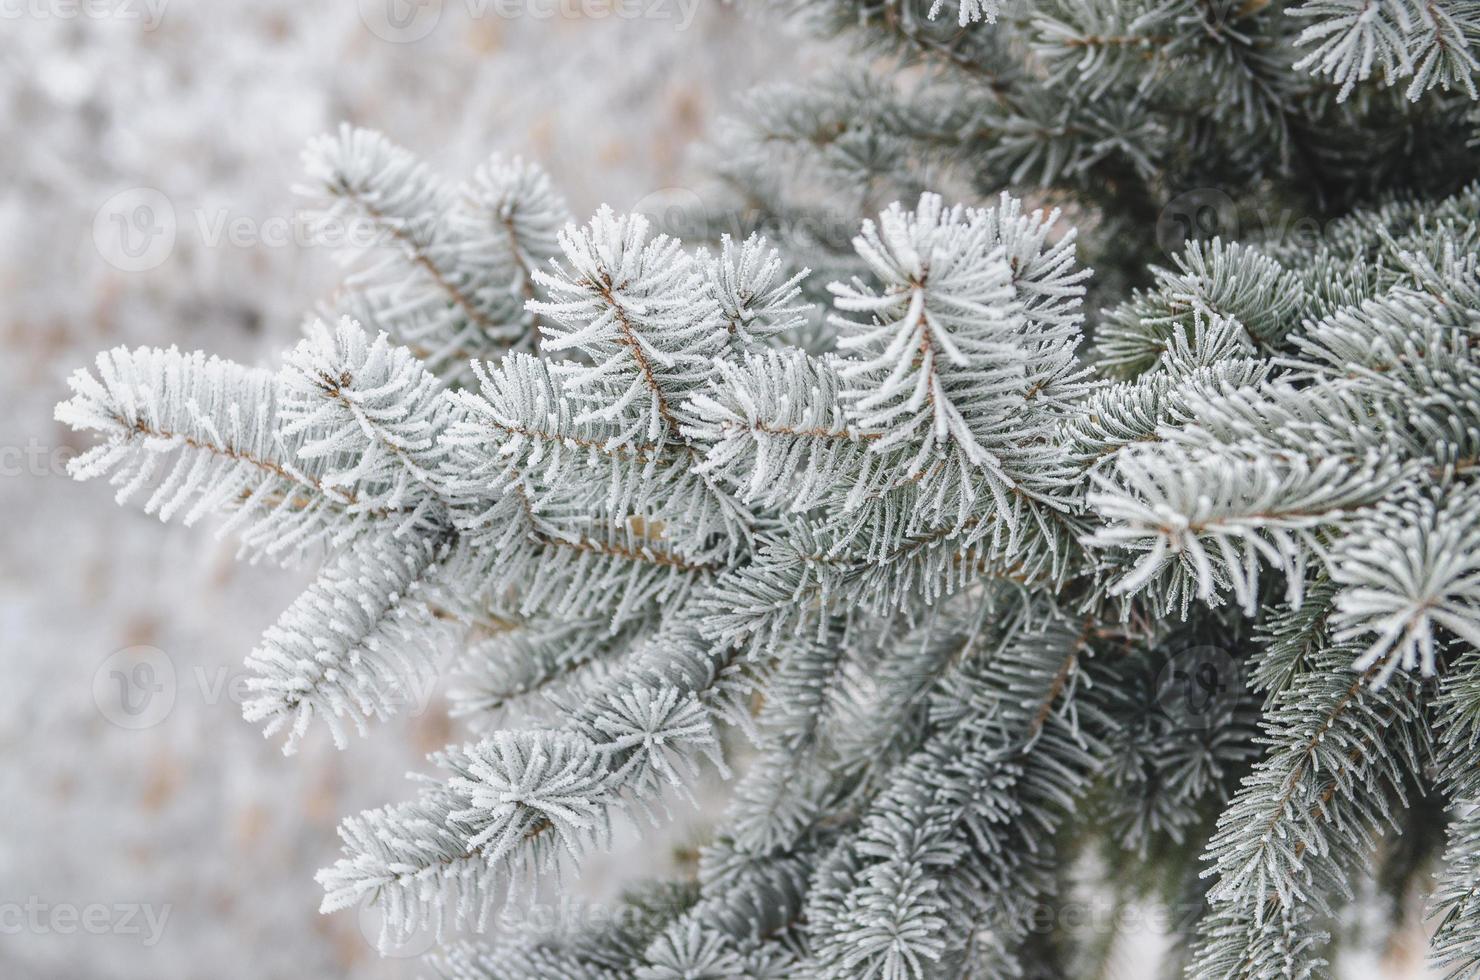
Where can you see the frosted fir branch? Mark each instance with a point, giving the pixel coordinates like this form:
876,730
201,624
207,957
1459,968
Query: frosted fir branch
572,567
1050,285
1401,360
779,431
512,212
542,547
348,397
753,300
524,785
897,690
1288,942
969,11
781,414
755,898
524,427
533,667
359,170
634,306
1276,418
413,860
522,803
202,435
1163,405
1404,572
359,175
361,644
1209,341
693,949
969,791
1458,723
1455,903
456,276
1097,45
1353,36
684,528
1445,44
508,808
1395,340
1335,774
945,304
765,816
1429,43
603,951
1397,255
792,584
1203,522
960,403
1242,290
1296,632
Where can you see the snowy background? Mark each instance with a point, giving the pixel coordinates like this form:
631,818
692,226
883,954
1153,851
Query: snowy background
173,841
201,109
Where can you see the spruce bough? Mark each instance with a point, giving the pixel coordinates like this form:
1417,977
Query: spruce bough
931,549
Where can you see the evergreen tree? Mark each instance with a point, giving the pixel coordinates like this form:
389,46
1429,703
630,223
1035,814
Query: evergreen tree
998,564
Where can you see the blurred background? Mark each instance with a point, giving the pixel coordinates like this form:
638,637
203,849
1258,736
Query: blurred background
164,837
